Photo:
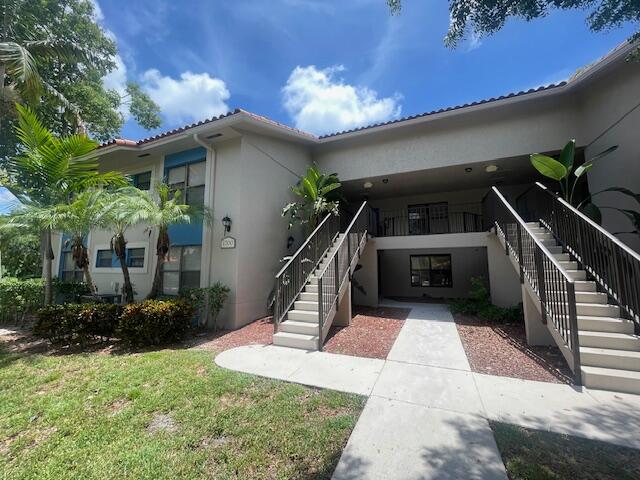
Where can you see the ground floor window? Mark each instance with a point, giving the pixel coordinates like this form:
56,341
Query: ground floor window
107,259
69,269
182,270
135,257
431,270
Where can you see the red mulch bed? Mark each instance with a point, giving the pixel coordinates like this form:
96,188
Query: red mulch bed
372,332
502,350
258,332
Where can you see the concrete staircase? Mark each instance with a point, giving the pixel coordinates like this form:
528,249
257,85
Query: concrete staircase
301,327
609,349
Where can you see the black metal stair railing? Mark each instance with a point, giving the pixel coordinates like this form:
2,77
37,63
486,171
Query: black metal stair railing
552,284
293,276
614,266
339,266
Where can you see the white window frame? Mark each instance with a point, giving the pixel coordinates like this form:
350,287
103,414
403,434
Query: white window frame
132,270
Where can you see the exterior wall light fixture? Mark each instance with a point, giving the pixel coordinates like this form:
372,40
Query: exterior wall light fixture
226,222
368,185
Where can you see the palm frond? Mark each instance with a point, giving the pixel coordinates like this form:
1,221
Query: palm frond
20,63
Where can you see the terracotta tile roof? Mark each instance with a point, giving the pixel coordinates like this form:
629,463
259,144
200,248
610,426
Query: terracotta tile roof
448,109
133,143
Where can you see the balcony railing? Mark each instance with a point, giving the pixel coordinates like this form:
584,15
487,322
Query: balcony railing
419,221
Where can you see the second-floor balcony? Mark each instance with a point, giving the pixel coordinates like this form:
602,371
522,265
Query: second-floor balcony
431,219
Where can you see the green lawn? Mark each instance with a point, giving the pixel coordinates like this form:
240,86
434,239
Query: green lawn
536,455
166,414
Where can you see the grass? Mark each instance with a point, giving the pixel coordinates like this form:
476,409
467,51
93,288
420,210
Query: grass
165,414
537,455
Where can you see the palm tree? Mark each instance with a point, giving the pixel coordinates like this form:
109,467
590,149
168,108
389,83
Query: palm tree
161,209
50,171
318,194
122,210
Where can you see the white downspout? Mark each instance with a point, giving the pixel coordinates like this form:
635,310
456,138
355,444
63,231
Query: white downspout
209,194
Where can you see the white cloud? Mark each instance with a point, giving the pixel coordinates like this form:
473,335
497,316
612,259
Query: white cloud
193,96
319,102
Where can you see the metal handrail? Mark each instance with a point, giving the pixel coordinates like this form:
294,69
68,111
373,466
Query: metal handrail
292,278
304,244
611,263
398,222
547,277
338,268
347,231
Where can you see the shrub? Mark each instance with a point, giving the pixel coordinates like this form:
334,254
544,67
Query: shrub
19,298
69,291
77,322
479,303
208,300
154,322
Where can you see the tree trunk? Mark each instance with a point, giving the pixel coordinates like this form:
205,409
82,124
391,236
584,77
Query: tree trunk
121,252
47,267
162,249
89,281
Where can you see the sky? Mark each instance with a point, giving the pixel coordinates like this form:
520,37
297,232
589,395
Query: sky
325,65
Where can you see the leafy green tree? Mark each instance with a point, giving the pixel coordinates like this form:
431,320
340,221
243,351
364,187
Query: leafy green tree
20,253
49,171
159,209
562,170
485,17
53,54
318,194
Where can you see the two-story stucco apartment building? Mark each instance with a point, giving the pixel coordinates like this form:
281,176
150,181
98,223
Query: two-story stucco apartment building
424,177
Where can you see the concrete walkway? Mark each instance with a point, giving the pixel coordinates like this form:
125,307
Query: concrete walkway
427,413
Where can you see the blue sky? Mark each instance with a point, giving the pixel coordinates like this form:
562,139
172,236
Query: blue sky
221,55
325,65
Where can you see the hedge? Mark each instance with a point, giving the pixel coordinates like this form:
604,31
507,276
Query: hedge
19,298
152,322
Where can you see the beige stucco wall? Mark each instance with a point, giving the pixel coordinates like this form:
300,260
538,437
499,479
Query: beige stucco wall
611,110
511,131
265,171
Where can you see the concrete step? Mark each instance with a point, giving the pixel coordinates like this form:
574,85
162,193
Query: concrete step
605,324
305,328
311,288
591,297
561,257
549,242
612,340
586,297
611,379
533,224
585,286
569,265
296,340
554,248
607,358
597,309
309,296
303,316
577,274
543,235
305,305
